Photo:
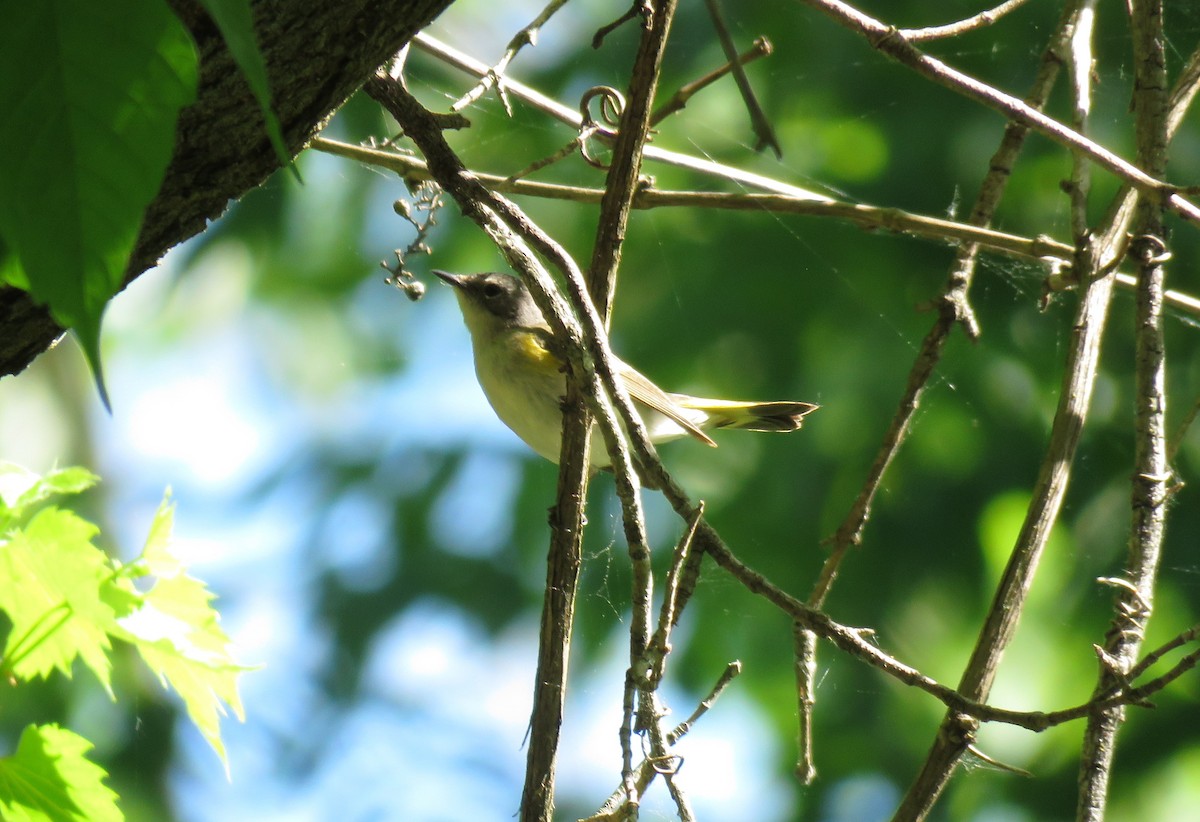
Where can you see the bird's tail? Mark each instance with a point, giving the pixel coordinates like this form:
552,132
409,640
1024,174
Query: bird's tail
751,416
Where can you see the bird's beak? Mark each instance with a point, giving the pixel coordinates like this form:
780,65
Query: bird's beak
456,280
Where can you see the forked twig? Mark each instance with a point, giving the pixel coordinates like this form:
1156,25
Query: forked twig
494,77
761,48
978,21
758,118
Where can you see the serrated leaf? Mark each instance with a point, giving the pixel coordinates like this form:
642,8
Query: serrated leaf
49,779
50,586
236,24
177,632
157,557
90,94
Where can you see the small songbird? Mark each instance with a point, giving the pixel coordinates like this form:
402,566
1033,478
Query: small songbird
524,377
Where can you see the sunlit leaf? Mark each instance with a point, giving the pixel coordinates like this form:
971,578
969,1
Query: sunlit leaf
49,779
21,489
50,583
176,630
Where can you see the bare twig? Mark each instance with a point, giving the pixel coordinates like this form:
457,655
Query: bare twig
953,310
477,203
660,643
587,349
637,8
469,64
1152,473
704,535
1081,63
804,665
855,642
647,769
525,37
978,21
760,48
758,118
611,103
1074,401
621,184
888,40
1041,250
622,181
1100,255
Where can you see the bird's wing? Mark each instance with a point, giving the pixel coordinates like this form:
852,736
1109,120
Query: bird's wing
650,395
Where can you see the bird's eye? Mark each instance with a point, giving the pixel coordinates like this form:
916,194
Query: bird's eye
491,291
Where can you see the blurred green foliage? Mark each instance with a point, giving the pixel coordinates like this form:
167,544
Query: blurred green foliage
747,305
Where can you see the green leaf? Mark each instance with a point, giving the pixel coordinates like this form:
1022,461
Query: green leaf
176,630
50,586
21,489
90,94
236,24
49,779
157,557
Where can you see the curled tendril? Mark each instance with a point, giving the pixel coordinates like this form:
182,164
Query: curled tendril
609,109
612,104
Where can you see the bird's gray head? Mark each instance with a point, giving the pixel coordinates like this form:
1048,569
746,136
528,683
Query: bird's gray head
493,300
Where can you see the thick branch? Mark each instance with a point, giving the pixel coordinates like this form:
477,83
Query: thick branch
1152,475
316,54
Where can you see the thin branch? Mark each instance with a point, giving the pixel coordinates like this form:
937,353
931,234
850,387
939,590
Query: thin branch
1152,474
761,48
804,667
626,166
1101,255
1081,63
953,310
647,769
854,641
586,348
636,9
477,203
620,186
888,40
1152,658
758,118
525,37
1075,394
571,117
978,21
1041,250
668,614
704,537
493,214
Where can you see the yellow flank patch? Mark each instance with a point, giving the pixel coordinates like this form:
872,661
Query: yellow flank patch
535,354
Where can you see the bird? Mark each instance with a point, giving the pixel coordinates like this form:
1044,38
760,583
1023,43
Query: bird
522,372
